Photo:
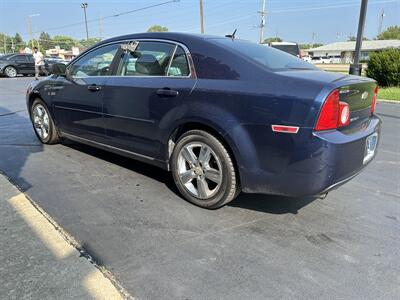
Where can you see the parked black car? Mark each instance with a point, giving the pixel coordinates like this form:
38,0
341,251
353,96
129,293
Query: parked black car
13,64
49,61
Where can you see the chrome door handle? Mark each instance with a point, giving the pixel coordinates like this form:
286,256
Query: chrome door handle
94,88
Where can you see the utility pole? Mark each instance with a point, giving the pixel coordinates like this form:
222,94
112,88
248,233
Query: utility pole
5,44
84,6
101,27
355,67
381,21
312,39
201,17
262,13
12,45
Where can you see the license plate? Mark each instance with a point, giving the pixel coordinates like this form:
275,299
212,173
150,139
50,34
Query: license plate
370,147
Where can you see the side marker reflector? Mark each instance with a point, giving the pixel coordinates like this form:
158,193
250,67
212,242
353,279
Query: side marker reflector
285,129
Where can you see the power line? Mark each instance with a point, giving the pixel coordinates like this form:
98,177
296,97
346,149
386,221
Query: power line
106,17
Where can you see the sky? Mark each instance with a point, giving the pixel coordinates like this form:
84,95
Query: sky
293,20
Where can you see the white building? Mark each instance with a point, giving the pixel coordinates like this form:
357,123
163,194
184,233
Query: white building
344,51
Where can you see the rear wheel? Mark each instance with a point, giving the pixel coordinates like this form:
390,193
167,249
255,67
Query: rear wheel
10,72
203,170
43,124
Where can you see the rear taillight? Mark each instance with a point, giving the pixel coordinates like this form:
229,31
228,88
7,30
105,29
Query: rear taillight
334,113
373,105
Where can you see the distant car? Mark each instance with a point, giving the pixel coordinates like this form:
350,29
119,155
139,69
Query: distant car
13,64
288,47
306,58
49,61
321,60
223,115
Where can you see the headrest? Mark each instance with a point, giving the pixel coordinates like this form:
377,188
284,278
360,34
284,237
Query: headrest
147,64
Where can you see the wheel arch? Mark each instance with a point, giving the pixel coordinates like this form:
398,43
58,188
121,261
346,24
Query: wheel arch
179,130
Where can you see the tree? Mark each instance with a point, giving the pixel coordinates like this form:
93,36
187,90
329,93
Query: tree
391,33
65,42
45,40
88,43
18,41
157,28
352,38
272,39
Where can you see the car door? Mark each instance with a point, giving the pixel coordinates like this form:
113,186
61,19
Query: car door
148,86
31,64
22,63
78,97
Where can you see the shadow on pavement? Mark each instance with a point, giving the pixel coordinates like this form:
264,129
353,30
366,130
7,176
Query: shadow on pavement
270,203
257,202
17,143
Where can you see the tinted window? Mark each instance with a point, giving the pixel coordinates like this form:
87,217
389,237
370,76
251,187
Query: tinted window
20,58
149,59
179,65
291,49
95,63
266,56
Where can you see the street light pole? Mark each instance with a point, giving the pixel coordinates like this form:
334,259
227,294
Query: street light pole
201,17
84,6
355,67
30,28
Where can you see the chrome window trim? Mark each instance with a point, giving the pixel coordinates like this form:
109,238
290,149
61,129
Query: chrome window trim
192,72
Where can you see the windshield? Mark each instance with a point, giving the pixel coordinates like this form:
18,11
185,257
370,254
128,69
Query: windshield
6,56
269,57
291,49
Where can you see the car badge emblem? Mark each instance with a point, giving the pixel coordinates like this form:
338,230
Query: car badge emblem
364,95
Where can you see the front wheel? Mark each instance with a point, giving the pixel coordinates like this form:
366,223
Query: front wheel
10,72
43,124
203,170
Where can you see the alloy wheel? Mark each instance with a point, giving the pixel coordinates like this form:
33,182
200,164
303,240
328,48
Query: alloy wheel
41,121
11,72
199,170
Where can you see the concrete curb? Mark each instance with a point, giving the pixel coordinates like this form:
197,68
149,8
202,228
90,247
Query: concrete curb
94,283
389,101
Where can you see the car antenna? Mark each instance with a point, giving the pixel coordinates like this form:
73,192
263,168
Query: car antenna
232,36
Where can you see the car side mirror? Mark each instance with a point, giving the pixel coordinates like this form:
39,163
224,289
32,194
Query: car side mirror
58,69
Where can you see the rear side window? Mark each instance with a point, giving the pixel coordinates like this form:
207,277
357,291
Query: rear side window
149,59
273,59
179,65
291,49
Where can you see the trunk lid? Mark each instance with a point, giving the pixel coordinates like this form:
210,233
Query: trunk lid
359,97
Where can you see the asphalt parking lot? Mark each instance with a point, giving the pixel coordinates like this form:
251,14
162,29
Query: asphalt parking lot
128,216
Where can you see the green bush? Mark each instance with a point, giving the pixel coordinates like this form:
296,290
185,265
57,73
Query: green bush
384,67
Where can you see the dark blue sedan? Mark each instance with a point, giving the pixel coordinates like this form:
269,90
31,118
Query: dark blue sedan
223,115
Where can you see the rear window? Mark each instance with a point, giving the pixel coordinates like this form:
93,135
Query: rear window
291,49
266,56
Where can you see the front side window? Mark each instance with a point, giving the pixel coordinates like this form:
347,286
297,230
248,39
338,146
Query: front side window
179,65
95,63
149,59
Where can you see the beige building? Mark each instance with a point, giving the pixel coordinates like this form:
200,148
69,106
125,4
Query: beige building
62,53
343,52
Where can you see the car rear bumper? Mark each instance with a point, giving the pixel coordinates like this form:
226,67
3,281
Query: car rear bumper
312,163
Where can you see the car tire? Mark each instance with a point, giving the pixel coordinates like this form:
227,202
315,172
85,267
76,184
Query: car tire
10,72
43,124
203,170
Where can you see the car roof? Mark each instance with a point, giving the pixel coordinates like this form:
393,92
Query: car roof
174,36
